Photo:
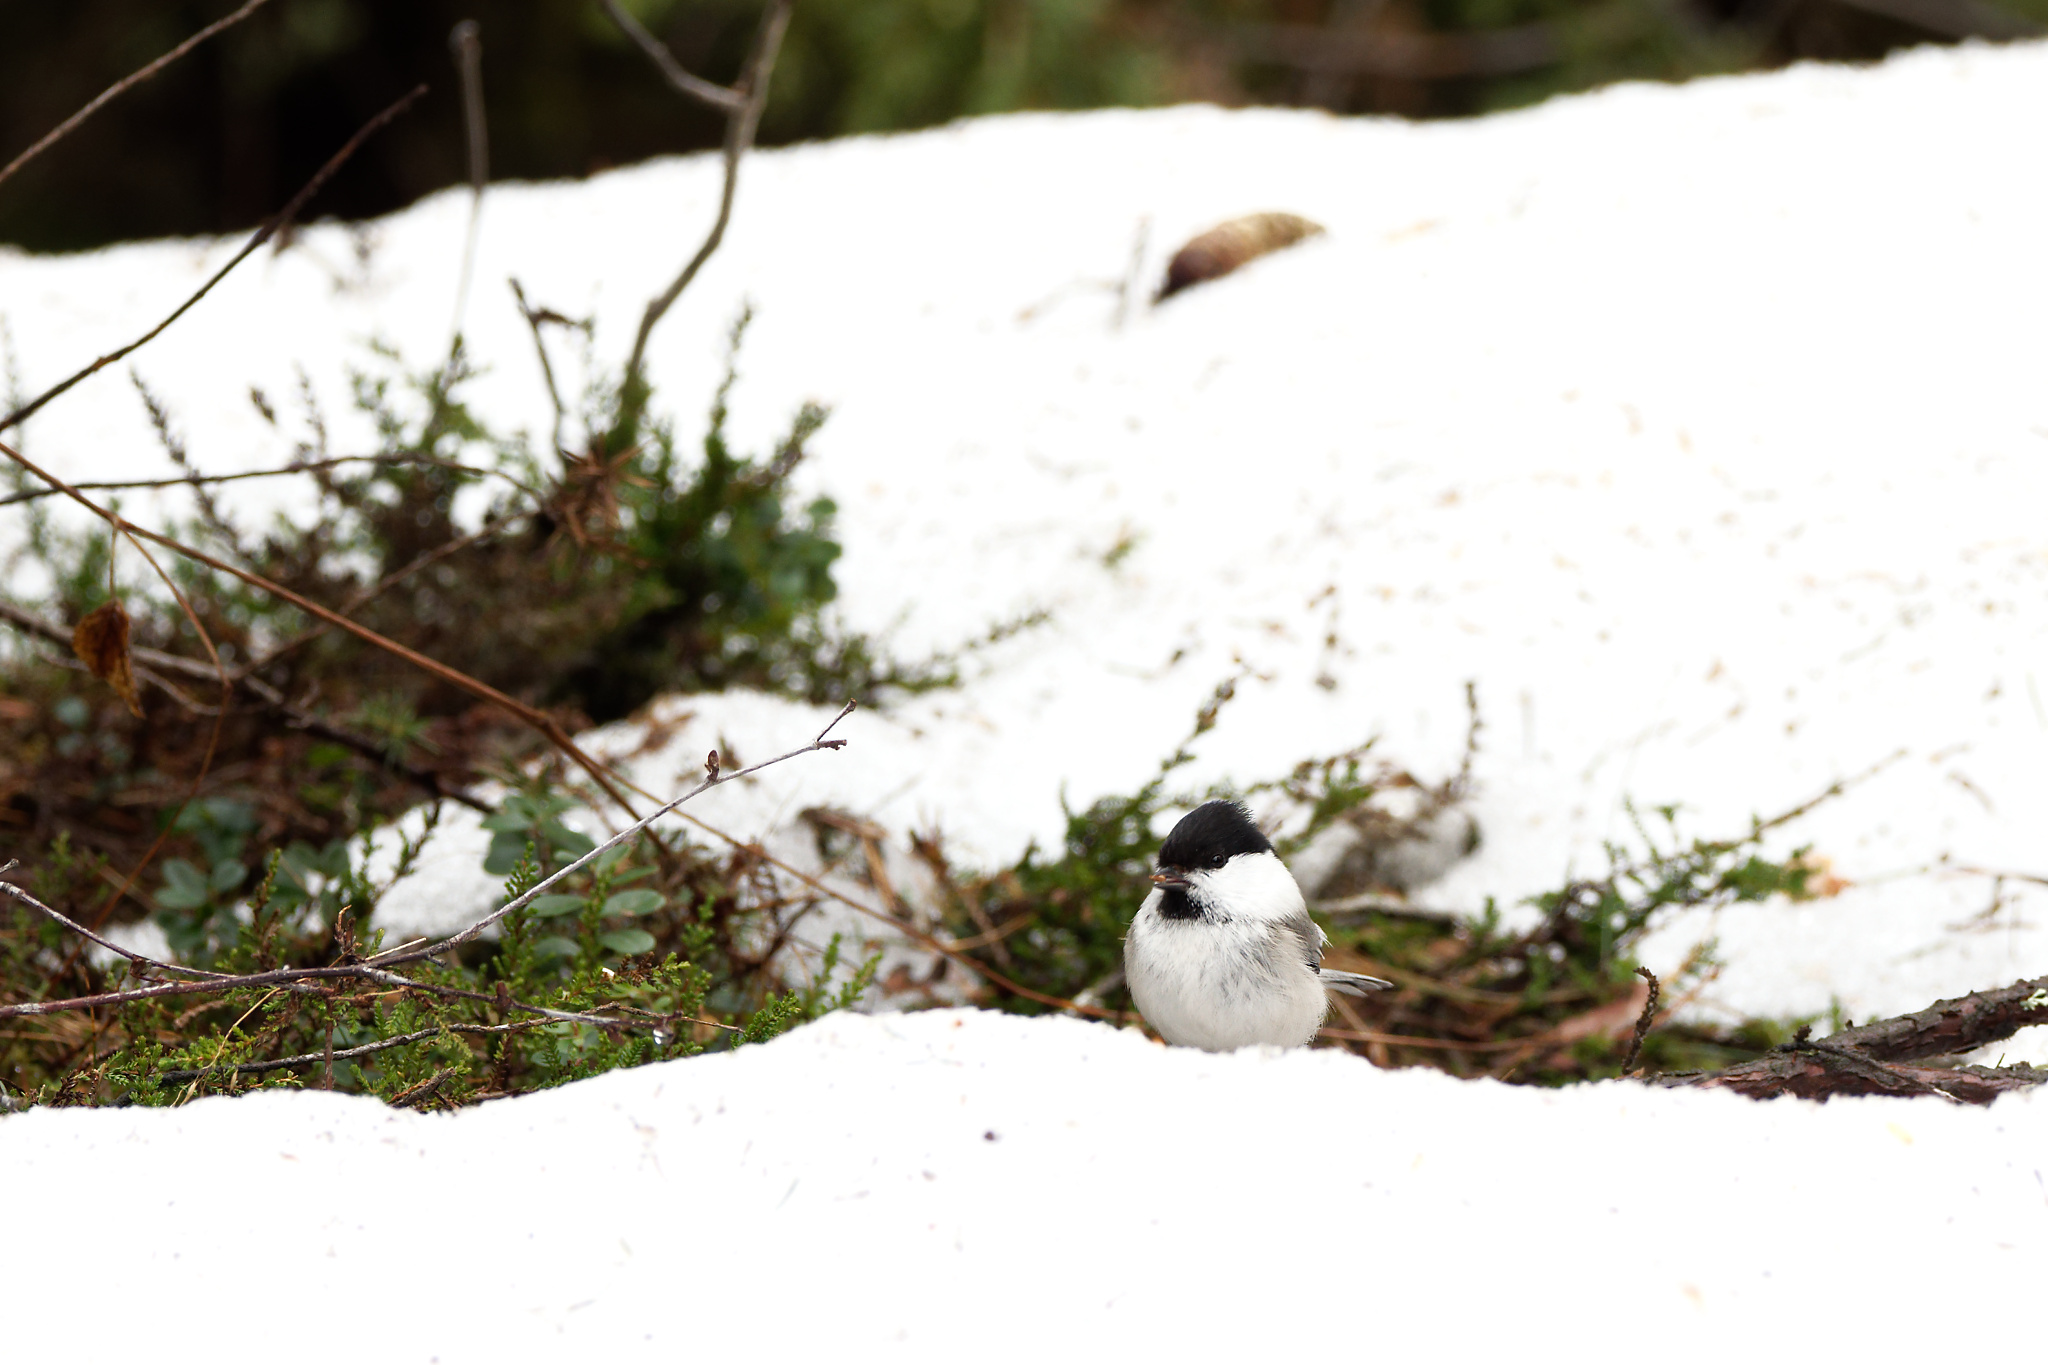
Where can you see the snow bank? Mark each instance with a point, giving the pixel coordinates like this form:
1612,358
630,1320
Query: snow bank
1702,427
960,1184
1596,405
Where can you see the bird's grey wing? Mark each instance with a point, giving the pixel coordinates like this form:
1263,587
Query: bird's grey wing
1309,935
1305,933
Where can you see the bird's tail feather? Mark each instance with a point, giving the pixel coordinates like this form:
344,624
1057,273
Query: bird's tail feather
1351,983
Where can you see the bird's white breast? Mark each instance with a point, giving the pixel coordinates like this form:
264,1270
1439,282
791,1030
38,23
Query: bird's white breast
1221,985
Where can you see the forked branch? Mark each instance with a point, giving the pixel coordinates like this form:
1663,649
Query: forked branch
742,104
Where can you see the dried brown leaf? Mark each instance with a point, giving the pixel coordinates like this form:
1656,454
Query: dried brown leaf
1227,246
101,640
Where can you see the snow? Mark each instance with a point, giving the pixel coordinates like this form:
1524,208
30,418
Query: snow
1700,427
923,1187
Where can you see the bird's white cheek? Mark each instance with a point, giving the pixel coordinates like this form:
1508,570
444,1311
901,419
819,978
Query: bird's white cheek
1256,886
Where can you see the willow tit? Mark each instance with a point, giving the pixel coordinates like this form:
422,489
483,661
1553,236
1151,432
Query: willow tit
1223,953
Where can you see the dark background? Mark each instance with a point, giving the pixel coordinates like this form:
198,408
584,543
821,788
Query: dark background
222,139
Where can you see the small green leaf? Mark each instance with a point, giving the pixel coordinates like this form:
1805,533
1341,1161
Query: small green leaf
567,841
554,946
506,847
627,942
547,907
227,876
184,888
634,903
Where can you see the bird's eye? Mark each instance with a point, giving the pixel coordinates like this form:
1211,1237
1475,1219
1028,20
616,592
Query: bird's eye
1217,860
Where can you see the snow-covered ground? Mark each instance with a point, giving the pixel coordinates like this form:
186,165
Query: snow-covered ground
1702,428
947,1186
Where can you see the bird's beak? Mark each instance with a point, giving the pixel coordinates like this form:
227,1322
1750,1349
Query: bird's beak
1168,879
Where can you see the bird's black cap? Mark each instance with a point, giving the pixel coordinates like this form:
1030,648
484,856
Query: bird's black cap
1211,835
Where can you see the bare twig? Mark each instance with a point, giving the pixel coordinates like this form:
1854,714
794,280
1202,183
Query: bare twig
149,661
1643,1020
21,894
126,83
416,1096
534,318
1828,793
306,467
533,716
263,234
742,105
362,596
376,969
465,40
302,979
689,86
910,931
227,696
226,1036
712,779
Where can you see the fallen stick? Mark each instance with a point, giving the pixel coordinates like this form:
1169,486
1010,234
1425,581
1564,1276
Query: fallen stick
1872,1059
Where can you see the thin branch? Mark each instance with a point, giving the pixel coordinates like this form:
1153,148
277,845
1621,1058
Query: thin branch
22,895
712,779
126,83
1643,1020
742,118
306,467
928,941
370,973
270,696
263,234
361,597
375,969
227,697
301,979
299,719
690,87
283,978
533,716
306,1059
534,318
466,42
1829,793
